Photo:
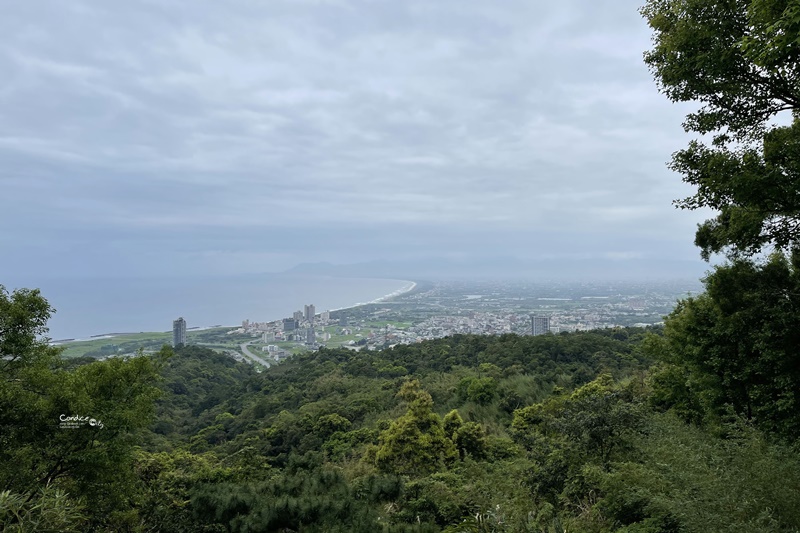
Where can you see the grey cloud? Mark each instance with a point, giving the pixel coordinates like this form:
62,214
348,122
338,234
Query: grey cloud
131,121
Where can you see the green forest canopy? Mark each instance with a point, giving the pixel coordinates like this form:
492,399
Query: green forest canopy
570,432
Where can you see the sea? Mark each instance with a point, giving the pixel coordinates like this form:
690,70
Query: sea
92,307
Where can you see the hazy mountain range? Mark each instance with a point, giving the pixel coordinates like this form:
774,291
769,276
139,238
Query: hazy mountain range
579,269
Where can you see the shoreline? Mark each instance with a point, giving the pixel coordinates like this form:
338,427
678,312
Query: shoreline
399,292
410,286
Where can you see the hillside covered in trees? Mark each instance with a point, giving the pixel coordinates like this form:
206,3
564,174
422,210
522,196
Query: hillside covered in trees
599,431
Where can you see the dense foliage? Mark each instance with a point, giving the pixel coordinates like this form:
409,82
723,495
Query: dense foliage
734,349
572,432
729,356
739,60
51,475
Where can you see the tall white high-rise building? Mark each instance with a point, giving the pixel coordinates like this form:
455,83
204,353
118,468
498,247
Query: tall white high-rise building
310,312
540,324
179,332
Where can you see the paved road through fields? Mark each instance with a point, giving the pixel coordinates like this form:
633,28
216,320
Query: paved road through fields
253,356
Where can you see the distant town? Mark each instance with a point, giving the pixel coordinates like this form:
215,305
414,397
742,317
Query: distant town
440,309
430,310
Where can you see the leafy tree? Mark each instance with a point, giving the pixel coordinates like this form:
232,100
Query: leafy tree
327,425
479,390
452,423
434,498
167,480
112,400
737,344
688,475
23,323
416,442
739,60
673,388
594,422
470,439
52,510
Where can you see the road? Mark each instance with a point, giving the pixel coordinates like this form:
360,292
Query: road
253,356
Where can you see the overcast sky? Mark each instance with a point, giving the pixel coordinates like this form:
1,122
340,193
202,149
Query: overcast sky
157,137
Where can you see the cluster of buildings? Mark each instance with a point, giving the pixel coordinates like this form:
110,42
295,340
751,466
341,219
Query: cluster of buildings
446,309
475,323
436,327
300,327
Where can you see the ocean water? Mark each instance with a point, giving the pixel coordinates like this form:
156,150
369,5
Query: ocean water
93,307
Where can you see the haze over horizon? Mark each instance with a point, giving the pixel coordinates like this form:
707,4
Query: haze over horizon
155,139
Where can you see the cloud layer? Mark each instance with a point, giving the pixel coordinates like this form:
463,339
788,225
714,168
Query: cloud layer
157,136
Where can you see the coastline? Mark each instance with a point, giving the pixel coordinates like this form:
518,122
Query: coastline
399,292
408,287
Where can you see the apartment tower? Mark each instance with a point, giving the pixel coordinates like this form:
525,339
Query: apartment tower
179,332
540,324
